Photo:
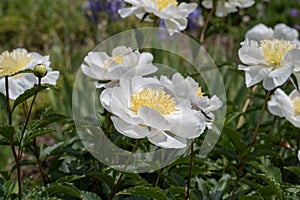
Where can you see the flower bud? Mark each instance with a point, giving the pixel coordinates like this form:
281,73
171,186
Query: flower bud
40,70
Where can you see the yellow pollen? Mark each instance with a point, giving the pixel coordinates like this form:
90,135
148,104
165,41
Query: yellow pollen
11,63
296,102
156,99
116,59
275,49
162,4
200,93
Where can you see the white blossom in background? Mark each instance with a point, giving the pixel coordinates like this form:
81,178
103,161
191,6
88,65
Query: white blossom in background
287,106
18,60
171,12
123,61
270,56
224,7
146,108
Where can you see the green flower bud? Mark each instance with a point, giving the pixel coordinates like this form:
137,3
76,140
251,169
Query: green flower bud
40,70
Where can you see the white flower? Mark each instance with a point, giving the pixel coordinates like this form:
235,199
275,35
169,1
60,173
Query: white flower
224,7
270,55
146,108
281,32
18,60
174,15
286,106
298,155
188,88
124,61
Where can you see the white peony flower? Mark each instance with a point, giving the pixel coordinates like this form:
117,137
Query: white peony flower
270,55
146,108
124,61
224,7
174,15
286,106
18,60
188,88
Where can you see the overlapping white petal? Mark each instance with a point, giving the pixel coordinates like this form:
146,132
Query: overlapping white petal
19,83
225,7
157,114
286,106
174,16
123,62
270,55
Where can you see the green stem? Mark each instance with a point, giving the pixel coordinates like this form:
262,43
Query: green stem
202,35
38,160
122,173
250,146
187,190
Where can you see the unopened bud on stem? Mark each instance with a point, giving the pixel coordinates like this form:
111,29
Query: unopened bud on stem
40,70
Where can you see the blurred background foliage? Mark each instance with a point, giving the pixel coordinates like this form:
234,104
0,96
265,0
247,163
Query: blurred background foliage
67,30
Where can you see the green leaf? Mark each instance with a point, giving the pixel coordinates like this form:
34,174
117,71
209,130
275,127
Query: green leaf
150,192
103,177
272,185
23,72
68,189
68,179
3,109
295,170
89,195
27,94
33,134
236,138
8,132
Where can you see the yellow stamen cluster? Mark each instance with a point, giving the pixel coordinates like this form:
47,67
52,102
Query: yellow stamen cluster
275,49
162,4
116,59
11,63
200,93
296,102
156,99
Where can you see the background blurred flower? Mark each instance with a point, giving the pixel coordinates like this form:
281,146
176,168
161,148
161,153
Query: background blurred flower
93,8
18,60
145,107
286,106
225,7
174,15
123,62
294,12
270,55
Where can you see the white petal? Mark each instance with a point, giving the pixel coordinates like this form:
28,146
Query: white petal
175,25
164,140
207,4
188,7
50,78
106,98
277,77
284,32
259,32
292,58
255,74
251,54
125,12
130,130
153,119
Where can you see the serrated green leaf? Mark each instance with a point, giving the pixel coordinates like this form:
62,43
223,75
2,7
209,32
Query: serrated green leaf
272,185
27,94
8,132
23,72
249,198
150,192
89,196
68,189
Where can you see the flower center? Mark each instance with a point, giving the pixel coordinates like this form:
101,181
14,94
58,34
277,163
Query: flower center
116,59
11,63
200,93
275,49
156,99
296,102
164,3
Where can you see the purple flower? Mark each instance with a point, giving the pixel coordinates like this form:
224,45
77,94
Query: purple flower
195,19
294,12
